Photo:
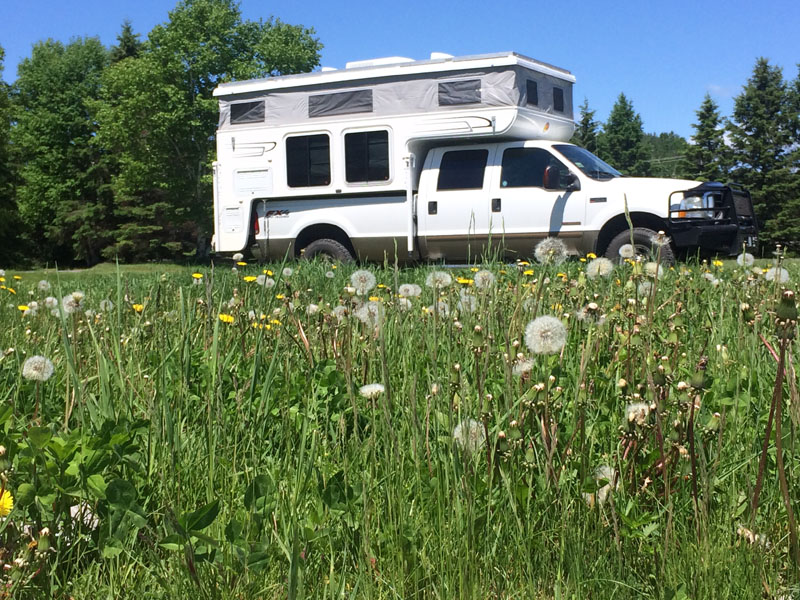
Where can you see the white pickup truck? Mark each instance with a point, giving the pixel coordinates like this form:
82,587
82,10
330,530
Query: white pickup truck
444,159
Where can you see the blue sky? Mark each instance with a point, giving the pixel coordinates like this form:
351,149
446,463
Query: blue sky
663,55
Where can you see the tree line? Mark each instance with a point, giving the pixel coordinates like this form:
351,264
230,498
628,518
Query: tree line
106,153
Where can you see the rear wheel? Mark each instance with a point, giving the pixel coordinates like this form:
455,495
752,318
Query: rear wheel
645,245
328,248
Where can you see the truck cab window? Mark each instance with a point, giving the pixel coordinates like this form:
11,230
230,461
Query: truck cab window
366,156
308,160
462,170
524,167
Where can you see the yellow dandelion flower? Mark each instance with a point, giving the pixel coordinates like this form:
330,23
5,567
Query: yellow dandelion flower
23,307
717,263
528,272
333,266
523,263
591,255
502,271
267,272
197,275
6,503
381,286
474,269
464,280
13,291
279,296
275,322
226,318
2,279
375,299
241,263
17,277
250,278
138,307
582,259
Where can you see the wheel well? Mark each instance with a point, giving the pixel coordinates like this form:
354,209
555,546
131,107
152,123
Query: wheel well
321,231
619,224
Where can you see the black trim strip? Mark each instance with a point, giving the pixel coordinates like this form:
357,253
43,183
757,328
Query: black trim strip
385,194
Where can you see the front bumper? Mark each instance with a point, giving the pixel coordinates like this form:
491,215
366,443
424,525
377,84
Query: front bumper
714,238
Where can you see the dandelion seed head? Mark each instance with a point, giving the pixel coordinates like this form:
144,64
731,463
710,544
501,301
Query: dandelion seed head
404,304
363,281
340,312
467,302
522,367
312,309
599,267
441,306
637,413
287,272
545,335
330,274
237,257
438,279
644,288
777,274
653,269
745,260
371,390
469,436
43,285
484,279
627,251
550,251
73,302
37,368
409,290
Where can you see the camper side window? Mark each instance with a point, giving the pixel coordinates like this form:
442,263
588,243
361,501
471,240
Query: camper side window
366,156
308,160
247,112
532,89
453,93
558,99
462,170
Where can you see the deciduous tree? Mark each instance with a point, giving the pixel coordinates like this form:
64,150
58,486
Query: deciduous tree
9,219
158,117
62,194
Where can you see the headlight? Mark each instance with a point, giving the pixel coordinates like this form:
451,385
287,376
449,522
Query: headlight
691,207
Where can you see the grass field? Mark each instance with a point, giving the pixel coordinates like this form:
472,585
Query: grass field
325,432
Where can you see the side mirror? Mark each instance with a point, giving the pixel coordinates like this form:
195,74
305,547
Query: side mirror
550,181
573,183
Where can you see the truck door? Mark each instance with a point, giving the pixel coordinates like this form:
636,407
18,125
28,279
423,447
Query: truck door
530,201
453,203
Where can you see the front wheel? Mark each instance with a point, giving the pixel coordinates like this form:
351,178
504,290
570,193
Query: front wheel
328,248
647,244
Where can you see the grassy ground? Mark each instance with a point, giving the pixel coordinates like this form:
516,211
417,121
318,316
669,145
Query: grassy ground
207,434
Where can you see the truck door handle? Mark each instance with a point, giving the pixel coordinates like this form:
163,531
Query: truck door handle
432,207
495,204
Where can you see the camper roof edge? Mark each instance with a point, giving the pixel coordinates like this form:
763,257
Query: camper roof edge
438,65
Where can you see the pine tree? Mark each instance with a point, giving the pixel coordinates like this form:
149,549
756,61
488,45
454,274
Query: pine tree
128,44
762,131
666,152
621,144
708,157
587,130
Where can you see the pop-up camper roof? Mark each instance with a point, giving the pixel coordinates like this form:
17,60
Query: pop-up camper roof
398,86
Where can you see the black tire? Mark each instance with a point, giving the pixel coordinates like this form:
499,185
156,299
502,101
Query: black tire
643,242
328,248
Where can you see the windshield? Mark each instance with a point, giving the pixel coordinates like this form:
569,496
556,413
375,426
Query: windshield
587,162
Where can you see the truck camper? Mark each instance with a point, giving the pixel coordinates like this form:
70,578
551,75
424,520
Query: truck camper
439,159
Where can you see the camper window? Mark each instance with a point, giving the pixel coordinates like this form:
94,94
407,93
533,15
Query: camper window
462,170
558,99
308,160
247,112
453,93
366,156
532,89
340,103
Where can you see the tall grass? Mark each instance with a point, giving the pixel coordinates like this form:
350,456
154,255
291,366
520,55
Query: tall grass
212,434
